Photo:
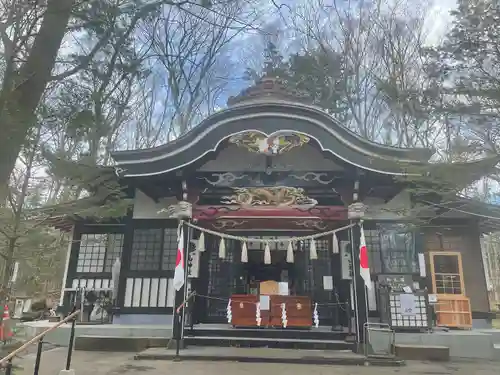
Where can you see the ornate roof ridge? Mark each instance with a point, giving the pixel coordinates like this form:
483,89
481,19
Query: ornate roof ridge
268,87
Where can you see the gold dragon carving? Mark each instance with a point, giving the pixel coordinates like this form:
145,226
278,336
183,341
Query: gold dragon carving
269,196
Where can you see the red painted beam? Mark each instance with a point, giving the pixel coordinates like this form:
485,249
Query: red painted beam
334,213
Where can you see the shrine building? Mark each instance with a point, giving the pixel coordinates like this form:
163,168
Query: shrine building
274,195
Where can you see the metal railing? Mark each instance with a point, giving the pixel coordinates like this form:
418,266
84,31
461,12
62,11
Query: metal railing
374,331
6,362
179,324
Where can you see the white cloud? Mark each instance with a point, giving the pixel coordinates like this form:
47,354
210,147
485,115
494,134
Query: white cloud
439,20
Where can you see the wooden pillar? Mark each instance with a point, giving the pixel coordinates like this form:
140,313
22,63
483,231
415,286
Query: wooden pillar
183,211
72,263
128,238
360,306
356,213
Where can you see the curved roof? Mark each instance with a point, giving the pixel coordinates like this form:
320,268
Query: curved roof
268,117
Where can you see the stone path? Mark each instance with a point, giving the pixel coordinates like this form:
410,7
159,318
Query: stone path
100,363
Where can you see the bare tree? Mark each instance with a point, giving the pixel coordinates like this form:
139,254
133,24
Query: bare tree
190,49
381,46
32,32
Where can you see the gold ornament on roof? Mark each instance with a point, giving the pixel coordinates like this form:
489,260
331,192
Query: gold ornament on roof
274,144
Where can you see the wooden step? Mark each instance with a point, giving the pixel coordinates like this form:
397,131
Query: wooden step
259,342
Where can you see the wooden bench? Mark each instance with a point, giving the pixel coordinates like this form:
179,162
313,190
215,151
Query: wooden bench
422,352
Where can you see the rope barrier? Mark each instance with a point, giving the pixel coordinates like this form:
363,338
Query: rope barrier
226,300
38,337
270,240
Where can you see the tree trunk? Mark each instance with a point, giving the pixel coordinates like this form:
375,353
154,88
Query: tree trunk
7,272
18,103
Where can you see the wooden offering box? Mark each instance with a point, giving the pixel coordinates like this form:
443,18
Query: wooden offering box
243,308
298,310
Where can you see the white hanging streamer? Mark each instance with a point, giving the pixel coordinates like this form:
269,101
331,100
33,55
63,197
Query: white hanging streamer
222,248
267,254
258,319
313,254
316,316
335,244
289,253
284,319
244,252
201,242
229,312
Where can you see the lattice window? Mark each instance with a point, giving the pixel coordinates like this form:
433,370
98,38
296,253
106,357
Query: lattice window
398,249
169,249
391,249
146,250
98,252
373,245
218,283
447,273
400,319
114,251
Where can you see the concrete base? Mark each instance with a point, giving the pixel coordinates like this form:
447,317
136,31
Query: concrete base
123,344
461,344
60,336
67,372
422,352
495,334
475,344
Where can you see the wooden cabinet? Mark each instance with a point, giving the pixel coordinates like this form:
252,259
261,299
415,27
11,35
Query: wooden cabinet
298,309
453,311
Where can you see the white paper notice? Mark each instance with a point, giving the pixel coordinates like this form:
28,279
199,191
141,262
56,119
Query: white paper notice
327,282
407,304
283,289
407,289
264,303
421,264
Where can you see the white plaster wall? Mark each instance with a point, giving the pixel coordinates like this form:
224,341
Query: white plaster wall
147,208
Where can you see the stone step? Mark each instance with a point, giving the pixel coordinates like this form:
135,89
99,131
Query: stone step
268,355
274,333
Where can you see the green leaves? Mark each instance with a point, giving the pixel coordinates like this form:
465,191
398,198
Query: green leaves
317,73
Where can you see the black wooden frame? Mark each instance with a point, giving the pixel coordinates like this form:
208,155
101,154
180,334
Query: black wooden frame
126,273
87,227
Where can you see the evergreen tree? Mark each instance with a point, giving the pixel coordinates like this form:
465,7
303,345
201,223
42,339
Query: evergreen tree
467,67
317,73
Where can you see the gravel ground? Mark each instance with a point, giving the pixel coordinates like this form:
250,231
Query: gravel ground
98,363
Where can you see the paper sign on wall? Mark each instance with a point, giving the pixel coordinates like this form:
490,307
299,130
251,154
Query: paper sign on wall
327,282
283,288
421,265
264,302
407,304
346,260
